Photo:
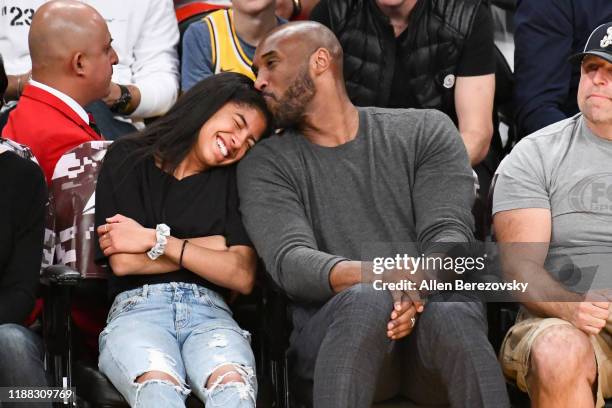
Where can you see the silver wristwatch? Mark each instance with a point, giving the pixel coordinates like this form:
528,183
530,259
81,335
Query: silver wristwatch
162,232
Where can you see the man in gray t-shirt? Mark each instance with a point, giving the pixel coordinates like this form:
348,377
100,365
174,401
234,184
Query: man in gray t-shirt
336,181
553,209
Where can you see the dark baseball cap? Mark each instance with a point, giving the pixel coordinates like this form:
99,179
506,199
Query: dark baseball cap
598,44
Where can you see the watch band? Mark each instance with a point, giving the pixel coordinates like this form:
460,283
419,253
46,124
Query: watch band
122,104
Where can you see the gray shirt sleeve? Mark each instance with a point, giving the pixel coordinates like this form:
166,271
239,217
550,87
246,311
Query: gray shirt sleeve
276,222
521,179
443,191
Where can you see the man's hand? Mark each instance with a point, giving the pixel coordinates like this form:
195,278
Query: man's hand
124,235
406,304
15,86
590,317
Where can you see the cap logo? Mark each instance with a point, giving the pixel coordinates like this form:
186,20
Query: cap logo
607,40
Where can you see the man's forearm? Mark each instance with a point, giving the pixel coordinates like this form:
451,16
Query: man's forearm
545,295
477,144
345,274
15,86
549,309
135,102
115,94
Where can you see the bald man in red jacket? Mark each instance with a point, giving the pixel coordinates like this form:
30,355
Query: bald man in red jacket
72,60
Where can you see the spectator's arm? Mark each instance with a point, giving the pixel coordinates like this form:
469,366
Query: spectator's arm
124,241
19,281
543,35
141,264
276,222
155,71
475,87
115,94
523,227
474,106
15,86
196,62
233,268
524,236
443,191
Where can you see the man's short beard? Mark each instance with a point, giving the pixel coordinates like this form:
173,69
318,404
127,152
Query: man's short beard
293,103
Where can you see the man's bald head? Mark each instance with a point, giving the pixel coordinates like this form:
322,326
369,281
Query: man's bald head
299,66
71,51
303,38
60,28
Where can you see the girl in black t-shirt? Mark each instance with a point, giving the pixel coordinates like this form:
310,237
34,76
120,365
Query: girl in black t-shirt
169,228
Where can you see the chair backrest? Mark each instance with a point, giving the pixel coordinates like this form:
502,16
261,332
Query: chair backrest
73,189
19,149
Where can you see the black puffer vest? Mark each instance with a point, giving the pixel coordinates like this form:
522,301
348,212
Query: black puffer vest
429,51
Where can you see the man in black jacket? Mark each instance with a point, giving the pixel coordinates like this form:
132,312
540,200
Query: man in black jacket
420,54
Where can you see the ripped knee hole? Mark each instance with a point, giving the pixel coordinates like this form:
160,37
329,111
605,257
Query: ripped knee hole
156,375
228,373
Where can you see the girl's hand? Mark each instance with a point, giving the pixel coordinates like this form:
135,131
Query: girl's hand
124,235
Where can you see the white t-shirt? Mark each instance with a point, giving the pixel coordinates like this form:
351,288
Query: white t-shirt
145,35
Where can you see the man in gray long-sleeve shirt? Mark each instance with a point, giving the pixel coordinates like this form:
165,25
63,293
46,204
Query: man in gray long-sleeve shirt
337,179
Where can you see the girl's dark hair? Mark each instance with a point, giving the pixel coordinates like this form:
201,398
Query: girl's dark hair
171,137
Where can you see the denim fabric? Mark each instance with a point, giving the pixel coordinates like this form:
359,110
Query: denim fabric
184,330
21,361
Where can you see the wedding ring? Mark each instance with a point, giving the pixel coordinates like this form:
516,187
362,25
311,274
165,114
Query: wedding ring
105,228
413,320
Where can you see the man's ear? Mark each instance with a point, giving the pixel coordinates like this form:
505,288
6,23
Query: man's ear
320,61
78,63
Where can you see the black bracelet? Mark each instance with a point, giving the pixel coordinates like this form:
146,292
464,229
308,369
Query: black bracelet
122,104
182,251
